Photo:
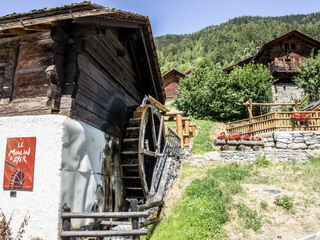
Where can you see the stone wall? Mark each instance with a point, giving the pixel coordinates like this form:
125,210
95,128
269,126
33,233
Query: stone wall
294,146
293,140
285,92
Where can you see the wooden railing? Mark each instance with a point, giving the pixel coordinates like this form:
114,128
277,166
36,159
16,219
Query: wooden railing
184,128
100,223
271,122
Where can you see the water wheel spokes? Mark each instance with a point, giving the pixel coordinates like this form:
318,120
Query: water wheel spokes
142,146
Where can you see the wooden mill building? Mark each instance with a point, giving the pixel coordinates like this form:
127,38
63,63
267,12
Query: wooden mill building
82,60
70,79
171,82
282,56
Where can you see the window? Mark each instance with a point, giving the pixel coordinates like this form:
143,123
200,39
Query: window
286,46
284,88
293,46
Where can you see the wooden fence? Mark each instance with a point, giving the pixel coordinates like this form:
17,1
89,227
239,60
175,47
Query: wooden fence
100,224
184,128
271,122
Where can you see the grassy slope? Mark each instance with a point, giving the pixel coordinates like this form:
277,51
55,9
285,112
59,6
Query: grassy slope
220,205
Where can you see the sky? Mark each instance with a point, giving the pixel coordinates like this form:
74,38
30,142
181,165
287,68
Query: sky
182,16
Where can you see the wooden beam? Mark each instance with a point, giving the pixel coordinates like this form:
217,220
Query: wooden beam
14,32
151,205
149,64
71,15
186,131
158,104
108,22
270,104
179,128
105,214
40,27
110,233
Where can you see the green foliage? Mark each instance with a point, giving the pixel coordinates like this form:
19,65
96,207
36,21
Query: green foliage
264,205
309,78
249,216
210,93
230,42
262,161
285,201
203,208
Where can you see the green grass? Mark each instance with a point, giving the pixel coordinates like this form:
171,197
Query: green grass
249,216
202,142
209,202
284,201
203,208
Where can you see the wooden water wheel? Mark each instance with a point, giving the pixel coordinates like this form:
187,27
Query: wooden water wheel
17,180
142,149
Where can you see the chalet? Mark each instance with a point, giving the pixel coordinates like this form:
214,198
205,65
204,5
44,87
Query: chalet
282,56
76,129
171,82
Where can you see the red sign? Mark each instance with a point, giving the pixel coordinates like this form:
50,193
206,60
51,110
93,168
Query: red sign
19,163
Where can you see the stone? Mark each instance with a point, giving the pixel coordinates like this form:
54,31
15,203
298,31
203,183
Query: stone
213,156
225,148
269,144
314,146
283,140
311,141
281,145
282,135
241,148
297,134
295,146
298,140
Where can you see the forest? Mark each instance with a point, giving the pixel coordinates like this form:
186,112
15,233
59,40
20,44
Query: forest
230,42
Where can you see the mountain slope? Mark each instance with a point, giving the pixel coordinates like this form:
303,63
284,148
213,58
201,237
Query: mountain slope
232,41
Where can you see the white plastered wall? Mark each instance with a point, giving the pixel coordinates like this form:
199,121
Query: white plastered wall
68,169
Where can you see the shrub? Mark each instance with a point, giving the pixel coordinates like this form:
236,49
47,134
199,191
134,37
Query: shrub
262,161
308,77
285,201
5,228
250,217
264,205
209,93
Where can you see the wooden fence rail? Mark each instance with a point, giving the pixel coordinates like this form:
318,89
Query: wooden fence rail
136,213
275,121
183,126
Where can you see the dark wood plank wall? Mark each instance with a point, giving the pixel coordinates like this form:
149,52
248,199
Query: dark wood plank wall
107,83
23,84
94,75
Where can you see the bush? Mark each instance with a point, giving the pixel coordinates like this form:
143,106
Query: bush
5,228
285,201
262,161
250,217
309,78
209,93
264,205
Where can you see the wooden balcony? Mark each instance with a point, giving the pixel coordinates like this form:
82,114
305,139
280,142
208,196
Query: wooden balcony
283,68
271,122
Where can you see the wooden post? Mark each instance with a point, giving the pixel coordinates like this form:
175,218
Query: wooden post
66,223
135,221
250,116
250,109
296,105
179,128
193,130
186,131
